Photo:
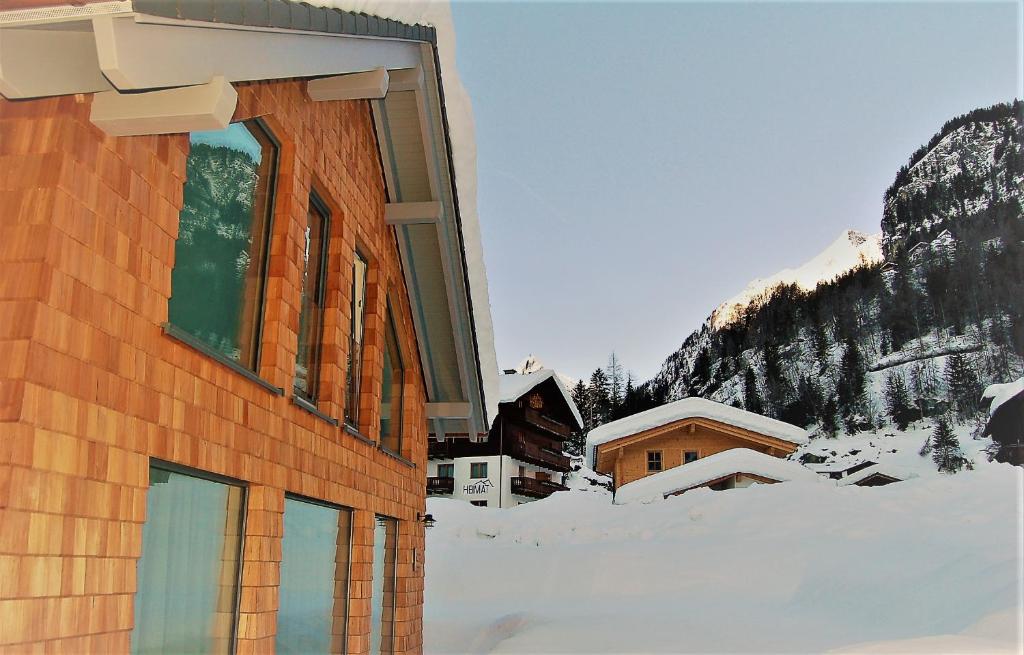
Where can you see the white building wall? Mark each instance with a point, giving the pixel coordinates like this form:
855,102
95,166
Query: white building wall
498,483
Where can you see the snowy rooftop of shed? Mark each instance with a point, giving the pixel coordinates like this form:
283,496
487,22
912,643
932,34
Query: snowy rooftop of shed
720,465
693,408
512,387
1000,393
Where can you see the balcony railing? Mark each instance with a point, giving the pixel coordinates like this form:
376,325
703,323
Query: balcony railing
535,488
440,485
538,420
439,449
520,448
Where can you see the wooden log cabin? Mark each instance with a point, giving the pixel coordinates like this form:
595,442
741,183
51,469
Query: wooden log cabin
237,293
682,432
522,459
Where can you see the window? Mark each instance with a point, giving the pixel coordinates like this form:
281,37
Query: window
382,607
188,573
653,461
478,503
313,591
311,313
220,258
354,369
478,470
392,391
446,470
690,456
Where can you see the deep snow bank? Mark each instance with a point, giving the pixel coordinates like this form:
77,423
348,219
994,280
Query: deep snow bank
929,563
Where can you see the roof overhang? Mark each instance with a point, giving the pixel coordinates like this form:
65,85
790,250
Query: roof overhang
164,66
606,453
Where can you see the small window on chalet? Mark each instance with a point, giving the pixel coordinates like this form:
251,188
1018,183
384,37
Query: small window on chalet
478,470
446,470
220,257
478,503
357,321
653,461
311,315
690,456
393,385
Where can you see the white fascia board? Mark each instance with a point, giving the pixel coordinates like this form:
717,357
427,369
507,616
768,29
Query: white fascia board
137,55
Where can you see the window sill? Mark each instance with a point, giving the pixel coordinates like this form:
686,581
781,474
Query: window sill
395,455
181,336
358,435
304,404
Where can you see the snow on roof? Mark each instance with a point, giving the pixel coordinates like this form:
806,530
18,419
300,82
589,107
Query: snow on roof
713,467
1000,393
514,386
692,408
461,132
838,466
892,471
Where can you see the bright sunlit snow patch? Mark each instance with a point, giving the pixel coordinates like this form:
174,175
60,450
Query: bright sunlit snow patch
929,564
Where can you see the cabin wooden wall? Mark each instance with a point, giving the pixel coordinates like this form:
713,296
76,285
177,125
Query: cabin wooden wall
91,388
632,464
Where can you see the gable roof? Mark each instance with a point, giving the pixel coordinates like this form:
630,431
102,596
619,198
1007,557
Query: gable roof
514,386
711,468
689,408
424,124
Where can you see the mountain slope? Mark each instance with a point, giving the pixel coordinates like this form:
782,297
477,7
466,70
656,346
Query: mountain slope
850,250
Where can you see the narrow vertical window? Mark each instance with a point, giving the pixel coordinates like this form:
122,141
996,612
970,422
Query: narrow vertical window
392,391
315,551
311,314
354,369
188,574
382,608
220,257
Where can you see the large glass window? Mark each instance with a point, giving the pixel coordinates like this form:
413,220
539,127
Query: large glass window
220,258
392,391
314,577
382,608
311,314
188,574
354,370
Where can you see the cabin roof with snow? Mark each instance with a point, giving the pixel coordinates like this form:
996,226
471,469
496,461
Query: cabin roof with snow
168,66
512,387
709,470
737,422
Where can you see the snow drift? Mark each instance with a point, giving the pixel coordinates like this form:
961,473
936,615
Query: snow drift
927,565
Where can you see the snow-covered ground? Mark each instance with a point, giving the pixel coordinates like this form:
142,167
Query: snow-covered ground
928,565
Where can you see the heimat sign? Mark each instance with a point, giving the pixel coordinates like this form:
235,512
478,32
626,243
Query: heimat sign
478,487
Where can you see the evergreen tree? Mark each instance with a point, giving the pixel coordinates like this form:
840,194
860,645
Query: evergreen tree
599,405
962,383
897,401
851,385
751,397
576,443
616,386
946,448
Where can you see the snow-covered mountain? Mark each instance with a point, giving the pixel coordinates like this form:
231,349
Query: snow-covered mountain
850,250
532,364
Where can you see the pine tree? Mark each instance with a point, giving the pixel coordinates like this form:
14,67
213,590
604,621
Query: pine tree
963,386
613,373
851,386
751,397
946,448
599,406
578,439
897,401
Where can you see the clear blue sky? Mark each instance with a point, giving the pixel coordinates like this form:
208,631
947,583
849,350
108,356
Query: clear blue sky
639,163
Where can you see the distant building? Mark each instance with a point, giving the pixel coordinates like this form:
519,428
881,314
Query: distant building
683,432
522,459
1006,420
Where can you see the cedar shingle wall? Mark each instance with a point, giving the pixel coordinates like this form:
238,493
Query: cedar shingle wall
90,387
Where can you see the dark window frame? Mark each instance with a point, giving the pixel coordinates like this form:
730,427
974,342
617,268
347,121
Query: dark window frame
264,268
654,459
447,468
355,360
472,467
478,503
313,369
686,453
395,423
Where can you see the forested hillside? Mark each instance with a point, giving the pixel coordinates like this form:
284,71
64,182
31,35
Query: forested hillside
916,335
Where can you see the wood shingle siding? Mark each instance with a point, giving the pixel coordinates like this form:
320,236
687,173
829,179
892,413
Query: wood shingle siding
92,388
